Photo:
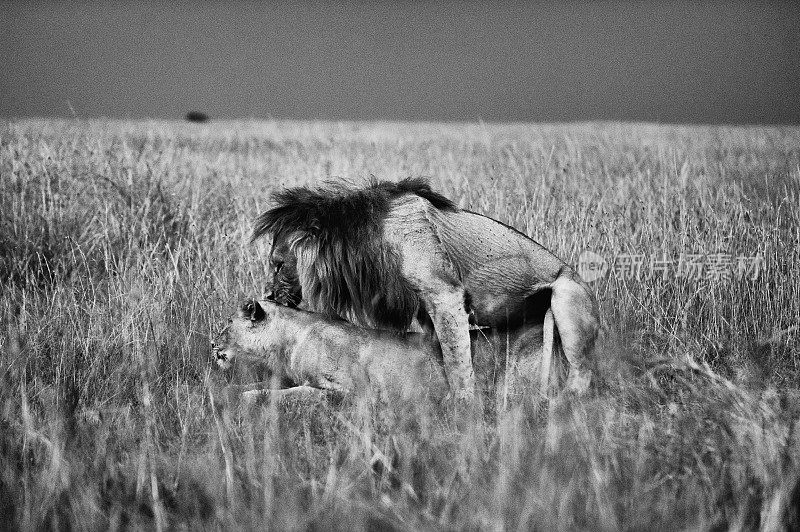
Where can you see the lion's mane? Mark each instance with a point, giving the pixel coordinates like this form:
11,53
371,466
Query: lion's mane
345,267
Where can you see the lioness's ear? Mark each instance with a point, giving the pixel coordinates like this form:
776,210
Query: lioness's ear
257,313
251,310
246,308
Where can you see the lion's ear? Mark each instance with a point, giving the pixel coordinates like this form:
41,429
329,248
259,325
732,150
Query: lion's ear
309,234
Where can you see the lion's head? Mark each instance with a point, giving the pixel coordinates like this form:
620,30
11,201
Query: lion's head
328,251
239,333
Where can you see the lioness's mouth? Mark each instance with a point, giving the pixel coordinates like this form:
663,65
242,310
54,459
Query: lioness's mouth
221,358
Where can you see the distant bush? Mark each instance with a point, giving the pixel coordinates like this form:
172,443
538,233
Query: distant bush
196,116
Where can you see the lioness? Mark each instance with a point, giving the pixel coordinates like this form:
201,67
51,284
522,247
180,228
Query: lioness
314,352
384,254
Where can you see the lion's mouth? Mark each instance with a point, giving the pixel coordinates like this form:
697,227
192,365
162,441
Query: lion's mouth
286,292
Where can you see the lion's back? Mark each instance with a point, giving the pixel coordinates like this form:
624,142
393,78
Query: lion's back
474,241
471,241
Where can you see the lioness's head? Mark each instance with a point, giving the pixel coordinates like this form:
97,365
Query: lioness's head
240,334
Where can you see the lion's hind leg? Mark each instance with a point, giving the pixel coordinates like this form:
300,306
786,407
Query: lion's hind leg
578,323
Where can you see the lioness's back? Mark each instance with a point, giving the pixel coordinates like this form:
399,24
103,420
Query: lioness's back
355,358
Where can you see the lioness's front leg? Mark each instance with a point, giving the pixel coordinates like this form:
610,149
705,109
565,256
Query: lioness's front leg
300,393
261,392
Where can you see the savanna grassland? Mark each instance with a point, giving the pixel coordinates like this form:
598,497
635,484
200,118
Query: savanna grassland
123,245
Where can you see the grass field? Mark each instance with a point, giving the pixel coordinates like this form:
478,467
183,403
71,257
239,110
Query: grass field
124,244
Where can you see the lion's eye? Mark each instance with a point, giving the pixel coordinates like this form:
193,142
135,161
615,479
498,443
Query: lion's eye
278,267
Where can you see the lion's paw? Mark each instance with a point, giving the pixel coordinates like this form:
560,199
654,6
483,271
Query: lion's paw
579,382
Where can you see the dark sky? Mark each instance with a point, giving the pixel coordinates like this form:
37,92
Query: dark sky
730,62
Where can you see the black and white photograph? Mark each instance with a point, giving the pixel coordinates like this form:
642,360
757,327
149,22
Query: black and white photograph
400,265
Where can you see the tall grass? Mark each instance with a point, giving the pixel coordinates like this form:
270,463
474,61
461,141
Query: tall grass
123,245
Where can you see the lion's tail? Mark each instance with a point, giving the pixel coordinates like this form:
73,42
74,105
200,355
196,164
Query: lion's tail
548,346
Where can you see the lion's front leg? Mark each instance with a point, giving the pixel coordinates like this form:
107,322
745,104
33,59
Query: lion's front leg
411,230
451,323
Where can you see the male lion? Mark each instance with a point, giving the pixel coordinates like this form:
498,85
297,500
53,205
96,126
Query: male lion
386,253
309,352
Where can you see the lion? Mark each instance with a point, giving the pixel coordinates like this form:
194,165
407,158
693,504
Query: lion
307,353
382,255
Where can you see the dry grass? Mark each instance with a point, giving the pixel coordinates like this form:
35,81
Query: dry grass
123,244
